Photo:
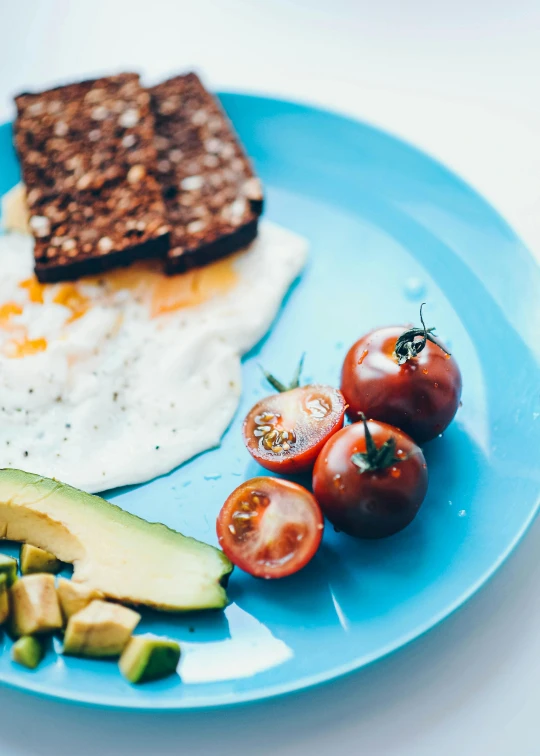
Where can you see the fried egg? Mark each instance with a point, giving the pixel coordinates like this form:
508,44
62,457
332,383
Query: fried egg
117,379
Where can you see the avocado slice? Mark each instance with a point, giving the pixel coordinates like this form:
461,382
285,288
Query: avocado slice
34,606
34,560
27,651
125,557
4,599
147,657
8,565
74,596
100,630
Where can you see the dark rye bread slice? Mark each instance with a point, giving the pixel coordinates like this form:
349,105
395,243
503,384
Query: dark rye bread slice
88,161
212,196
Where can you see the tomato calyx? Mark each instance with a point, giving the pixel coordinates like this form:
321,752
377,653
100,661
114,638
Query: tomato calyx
283,387
376,457
407,347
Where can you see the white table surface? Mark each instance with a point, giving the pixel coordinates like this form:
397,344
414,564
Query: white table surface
462,81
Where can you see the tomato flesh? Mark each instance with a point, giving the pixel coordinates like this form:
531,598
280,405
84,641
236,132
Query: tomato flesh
285,432
269,527
421,396
370,504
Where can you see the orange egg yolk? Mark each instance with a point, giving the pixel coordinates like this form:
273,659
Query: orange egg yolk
9,309
192,288
69,296
145,280
24,347
34,289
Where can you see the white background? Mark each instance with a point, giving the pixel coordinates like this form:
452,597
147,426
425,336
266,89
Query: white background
462,81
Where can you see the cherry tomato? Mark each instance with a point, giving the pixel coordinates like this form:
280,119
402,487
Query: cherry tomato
270,527
370,479
416,388
285,432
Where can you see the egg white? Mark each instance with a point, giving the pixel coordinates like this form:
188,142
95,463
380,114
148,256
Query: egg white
118,397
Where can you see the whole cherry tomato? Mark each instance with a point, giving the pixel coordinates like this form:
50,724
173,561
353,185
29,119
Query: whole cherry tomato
270,527
370,479
285,432
404,377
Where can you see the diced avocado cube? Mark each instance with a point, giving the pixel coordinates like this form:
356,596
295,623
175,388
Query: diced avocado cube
34,560
27,651
100,630
4,599
8,567
34,606
74,596
147,658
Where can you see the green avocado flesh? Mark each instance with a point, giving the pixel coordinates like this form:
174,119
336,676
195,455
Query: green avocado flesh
34,560
4,599
27,651
8,566
112,551
147,658
100,630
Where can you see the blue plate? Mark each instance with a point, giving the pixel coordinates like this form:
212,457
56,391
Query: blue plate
388,228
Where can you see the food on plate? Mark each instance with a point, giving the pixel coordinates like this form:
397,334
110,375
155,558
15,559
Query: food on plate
100,630
402,376
116,173
212,197
285,432
27,651
370,479
34,606
147,658
8,565
112,551
74,596
120,359
34,560
4,599
270,527
95,628
121,375
88,161
116,380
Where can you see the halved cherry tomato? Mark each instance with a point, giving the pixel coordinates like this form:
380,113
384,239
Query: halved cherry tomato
270,527
370,479
285,432
402,376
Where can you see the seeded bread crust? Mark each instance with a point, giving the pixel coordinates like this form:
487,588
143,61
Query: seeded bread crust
211,193
88,161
